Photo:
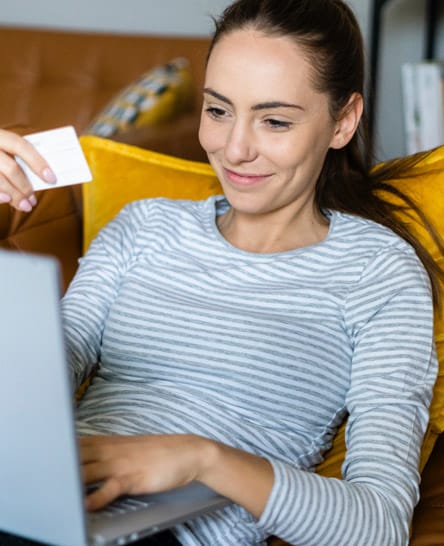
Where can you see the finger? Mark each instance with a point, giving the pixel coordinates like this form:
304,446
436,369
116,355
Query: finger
109,491
15,188
16,145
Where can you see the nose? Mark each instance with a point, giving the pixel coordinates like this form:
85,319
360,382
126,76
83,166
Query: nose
240,145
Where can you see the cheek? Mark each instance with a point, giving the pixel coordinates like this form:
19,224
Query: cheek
210,137
285,153
299,148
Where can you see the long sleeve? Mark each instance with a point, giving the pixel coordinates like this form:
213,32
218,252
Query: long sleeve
86,305
389,319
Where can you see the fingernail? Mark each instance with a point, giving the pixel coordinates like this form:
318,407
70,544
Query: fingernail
25,205
4,197
33,200
49,176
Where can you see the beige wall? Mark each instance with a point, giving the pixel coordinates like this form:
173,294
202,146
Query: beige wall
165,16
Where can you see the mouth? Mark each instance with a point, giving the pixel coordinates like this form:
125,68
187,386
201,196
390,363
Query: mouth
244,179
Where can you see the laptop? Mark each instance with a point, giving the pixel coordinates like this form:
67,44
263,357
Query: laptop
41,491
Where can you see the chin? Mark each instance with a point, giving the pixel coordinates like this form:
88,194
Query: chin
246,203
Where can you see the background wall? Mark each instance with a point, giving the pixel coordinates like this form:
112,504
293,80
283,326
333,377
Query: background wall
139,16
401,39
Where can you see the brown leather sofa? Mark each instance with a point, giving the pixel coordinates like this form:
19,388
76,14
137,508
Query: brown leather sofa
49,79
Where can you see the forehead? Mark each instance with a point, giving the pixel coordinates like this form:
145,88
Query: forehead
251,60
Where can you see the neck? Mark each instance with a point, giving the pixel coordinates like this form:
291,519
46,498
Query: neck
265,233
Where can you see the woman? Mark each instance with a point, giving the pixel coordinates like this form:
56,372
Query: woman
234,335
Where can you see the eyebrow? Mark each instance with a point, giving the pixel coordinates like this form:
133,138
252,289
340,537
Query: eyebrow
261,106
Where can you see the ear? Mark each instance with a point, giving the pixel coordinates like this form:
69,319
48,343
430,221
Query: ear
348,122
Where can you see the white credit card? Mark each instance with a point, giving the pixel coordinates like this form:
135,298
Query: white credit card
61,149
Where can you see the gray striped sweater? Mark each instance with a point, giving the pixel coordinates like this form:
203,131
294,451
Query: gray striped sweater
268,353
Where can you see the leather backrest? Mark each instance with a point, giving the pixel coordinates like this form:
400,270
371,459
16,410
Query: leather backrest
51,78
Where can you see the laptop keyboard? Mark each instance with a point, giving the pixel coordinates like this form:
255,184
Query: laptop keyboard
121,506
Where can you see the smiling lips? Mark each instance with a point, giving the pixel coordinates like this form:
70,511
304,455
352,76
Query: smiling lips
243,179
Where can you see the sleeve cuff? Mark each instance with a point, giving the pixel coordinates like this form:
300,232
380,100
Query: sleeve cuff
281,494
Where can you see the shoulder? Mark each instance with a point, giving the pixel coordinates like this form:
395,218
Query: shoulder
371,235
369,242
387,269
152,218
160,218
384,263
167,209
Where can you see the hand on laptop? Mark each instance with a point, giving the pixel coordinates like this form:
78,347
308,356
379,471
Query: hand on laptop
137,465
15,187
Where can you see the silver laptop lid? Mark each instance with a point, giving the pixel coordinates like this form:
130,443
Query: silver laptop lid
41,492
40,487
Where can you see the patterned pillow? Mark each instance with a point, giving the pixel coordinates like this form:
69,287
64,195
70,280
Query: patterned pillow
158,95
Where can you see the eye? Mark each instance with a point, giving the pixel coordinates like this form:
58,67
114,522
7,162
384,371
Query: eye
216,112
277,123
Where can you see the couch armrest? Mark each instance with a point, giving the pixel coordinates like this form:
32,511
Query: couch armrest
53,227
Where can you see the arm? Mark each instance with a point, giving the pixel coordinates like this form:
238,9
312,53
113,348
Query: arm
141,464
374,502
93,290
390,322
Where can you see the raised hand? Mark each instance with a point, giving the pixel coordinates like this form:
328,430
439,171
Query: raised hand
15,188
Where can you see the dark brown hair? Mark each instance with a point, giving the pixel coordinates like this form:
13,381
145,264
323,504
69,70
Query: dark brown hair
329,35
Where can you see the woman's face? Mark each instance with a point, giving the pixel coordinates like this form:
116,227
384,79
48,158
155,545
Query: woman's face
265,128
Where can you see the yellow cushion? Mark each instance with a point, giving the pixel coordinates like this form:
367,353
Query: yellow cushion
424,185
123,173
158,95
